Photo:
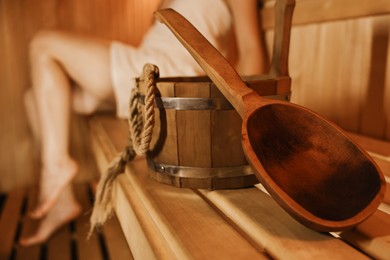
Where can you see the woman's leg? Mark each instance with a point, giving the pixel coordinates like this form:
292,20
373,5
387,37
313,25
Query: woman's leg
66,208
59,59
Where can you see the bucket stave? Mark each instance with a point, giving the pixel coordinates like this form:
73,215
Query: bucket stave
196,141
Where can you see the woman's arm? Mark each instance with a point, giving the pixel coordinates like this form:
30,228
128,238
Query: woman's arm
252,54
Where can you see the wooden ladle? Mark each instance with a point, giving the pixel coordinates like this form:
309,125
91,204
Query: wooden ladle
307,164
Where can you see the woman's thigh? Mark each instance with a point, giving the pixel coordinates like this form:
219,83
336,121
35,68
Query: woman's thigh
85,60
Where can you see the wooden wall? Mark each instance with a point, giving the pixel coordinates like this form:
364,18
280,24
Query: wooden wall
340,61
124,20
341,69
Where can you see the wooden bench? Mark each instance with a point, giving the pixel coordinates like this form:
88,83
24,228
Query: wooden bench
69,242
164,222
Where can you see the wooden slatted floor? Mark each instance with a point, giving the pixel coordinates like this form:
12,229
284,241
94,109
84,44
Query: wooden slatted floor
67,243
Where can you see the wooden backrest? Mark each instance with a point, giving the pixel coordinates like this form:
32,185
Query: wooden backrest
338,61
315,11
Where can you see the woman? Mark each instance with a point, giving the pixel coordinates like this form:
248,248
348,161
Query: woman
103,72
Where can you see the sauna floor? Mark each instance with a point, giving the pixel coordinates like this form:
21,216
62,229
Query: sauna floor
69,242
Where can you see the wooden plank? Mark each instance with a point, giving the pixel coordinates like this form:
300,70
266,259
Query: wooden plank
99,149
188,224
193,128
226,136
59,244
115,129
273,230
372,236
373,117
380,152
377,147
28,228
86,249
387,194
130,214
385,208
15,161
382,161
9,220
106,127
172,222
112,237
159,217
316,11
116,241
337,78
323,82
345,62
226,148
80,148
164,147
142,235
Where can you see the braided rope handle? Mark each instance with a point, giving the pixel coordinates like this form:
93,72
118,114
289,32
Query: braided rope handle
140,135
141,127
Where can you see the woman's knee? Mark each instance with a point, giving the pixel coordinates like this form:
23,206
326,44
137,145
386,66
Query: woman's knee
43,43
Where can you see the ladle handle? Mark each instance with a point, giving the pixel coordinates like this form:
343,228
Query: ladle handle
209,58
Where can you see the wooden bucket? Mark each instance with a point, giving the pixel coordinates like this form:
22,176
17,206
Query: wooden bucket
196,141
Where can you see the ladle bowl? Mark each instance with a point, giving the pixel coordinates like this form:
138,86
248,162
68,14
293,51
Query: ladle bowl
307,163
311,168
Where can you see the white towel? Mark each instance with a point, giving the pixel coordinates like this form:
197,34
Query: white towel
160,47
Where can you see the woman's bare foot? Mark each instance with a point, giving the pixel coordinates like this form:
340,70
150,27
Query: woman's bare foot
65,210
55,177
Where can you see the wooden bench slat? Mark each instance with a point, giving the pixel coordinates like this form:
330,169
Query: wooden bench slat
266,223
9,221
103,128
378,149
86,249
113,129
380,152
366,236
161,214
188,224
115,240
387,194
372,236
316,11
143,236
385,208
113,236
376,146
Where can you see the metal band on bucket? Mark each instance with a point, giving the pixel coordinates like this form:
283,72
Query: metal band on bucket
199,172
178,103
